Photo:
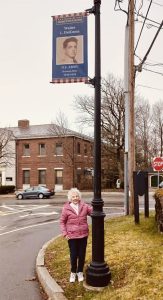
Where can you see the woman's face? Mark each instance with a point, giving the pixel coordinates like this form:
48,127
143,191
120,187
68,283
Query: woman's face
75,198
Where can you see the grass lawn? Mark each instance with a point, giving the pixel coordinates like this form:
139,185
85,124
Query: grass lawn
134,254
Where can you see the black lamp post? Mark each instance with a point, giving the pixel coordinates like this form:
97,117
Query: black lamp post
97,273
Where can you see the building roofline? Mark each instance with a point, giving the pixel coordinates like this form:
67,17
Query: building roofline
45,131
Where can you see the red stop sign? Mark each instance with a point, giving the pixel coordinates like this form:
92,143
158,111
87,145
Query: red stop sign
157,163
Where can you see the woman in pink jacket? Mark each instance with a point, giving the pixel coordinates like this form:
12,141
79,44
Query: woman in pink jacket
74,227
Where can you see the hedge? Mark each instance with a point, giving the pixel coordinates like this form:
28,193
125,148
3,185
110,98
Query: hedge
6,189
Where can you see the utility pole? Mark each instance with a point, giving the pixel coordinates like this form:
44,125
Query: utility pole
131,87
126,97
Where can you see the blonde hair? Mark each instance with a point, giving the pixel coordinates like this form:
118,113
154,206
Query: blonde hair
71,191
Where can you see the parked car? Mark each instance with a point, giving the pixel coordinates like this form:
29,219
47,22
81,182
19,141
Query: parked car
35,192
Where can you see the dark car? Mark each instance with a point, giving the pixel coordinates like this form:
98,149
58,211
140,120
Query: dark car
35,192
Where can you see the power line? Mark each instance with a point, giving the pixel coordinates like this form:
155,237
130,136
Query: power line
157,3
149,87
139,15
117,2
139,67
159,73
154,64
117,7
143,25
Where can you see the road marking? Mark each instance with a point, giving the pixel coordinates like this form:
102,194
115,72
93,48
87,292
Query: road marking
23,210
9,207
26,227
41,213
2,227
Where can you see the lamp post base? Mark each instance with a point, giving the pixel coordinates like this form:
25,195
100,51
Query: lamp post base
98,274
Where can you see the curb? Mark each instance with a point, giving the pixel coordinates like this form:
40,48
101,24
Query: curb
50,286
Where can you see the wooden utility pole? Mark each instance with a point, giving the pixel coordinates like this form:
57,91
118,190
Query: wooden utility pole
131,86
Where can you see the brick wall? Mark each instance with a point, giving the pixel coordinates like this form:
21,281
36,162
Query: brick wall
68,162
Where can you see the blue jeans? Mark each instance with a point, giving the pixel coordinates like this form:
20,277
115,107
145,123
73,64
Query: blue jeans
77,254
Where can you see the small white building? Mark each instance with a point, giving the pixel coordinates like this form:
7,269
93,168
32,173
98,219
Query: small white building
7,164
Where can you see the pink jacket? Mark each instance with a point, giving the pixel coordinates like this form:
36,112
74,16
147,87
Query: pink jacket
73,225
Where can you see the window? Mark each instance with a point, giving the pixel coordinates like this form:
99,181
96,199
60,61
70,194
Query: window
85,149
26,150
78,148
26,176
58,176
42,149
78,175
91,149
8,178
42,177
59,149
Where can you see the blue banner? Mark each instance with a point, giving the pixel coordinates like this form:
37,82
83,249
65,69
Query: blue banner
70,62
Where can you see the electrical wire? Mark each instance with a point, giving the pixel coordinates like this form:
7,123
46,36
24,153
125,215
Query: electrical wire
143,26
136,12
117,3
149,20
139,67
153,71
157,3
149,87
154,65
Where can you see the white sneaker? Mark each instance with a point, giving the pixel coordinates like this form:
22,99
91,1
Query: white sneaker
72,277
80,276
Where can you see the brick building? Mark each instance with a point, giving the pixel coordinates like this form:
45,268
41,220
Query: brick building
48,155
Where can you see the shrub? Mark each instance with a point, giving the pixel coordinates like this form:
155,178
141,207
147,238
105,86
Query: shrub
6,189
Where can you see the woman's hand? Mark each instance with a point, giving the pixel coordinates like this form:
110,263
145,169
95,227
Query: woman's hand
67,237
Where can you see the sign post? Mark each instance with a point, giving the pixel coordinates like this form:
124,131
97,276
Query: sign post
157,165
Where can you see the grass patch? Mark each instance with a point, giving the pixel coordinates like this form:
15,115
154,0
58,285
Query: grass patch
134,254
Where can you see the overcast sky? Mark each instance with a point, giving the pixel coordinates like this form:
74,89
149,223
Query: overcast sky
26,57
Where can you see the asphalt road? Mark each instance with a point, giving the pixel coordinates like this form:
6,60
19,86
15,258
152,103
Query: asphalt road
24,227
23,231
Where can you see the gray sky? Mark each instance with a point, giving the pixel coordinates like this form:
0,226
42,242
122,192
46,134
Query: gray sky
26,57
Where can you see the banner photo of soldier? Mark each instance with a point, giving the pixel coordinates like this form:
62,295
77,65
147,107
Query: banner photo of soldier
70,53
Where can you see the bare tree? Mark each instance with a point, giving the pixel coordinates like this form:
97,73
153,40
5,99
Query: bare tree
143,125
7,150
66,138
59,128
112,119
84,105
112,116
157,116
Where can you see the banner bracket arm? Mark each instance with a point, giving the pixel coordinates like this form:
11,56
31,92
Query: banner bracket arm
91,10
91,81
